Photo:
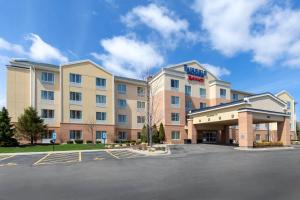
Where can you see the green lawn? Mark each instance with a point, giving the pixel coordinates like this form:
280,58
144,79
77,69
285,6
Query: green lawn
58,147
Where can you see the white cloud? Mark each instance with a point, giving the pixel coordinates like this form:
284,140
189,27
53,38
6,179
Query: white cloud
42,51
15,48
128,57
216,70
162,20
262,27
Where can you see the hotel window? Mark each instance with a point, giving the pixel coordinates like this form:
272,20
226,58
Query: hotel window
47,95
188,104
121,88
100,100
140,105
202,92
101,116
175,135
48,77
122,118
257,137
140,119
174,84
99,134
75,114
75,78
122,135
174,101
223,93
235,97
175,117
202,105
139,135
188,90
75,97
288,105
48,134
122,103
100,83
46,113
75,134
140,91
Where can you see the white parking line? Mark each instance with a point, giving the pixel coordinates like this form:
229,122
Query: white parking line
6,157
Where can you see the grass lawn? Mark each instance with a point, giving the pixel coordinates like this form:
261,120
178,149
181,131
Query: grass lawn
58,147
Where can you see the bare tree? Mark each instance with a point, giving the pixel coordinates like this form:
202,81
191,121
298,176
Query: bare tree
91,127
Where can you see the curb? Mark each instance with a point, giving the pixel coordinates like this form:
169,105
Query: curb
263,149
149,153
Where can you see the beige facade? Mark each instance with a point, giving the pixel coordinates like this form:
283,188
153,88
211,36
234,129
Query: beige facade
81,99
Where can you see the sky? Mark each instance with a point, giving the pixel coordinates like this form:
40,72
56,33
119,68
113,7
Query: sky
254,44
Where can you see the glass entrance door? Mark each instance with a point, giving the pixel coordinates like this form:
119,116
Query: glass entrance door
210,137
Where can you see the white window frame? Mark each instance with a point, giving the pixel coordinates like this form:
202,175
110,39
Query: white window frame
222,96
175,86
122,88
202,95
75,83
174,133
188,90
122,122
103,104
102,114
76,133
177,103
141,94
48,111
47,81
177,120
47,92
102,87
75,102
76,119
140,119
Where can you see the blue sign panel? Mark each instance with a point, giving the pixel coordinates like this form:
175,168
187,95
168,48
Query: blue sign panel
53,136
104,136
195,72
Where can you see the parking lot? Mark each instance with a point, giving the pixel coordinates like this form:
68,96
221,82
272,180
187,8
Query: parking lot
66,158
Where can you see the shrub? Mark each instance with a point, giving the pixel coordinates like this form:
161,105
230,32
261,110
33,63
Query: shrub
70,142
267,144
9,142
79,141
98,142
89,141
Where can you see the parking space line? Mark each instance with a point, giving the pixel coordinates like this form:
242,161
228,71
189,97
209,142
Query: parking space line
7,157
43,158
110,153
80,156
8,164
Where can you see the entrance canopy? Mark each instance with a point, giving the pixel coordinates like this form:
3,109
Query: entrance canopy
262,108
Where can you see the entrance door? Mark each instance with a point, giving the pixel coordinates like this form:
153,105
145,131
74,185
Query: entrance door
209,137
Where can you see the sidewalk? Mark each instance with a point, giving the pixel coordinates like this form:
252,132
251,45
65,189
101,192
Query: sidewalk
264,149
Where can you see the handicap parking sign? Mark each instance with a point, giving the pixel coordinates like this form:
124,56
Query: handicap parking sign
104,136
53,136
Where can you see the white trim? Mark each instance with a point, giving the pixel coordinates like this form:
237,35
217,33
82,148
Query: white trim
282,92
263,112
267,94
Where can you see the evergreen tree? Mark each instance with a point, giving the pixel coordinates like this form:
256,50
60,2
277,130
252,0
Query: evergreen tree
6,129
30,126
144,134
161,133
155,134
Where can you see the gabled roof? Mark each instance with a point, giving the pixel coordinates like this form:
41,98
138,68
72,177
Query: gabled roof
27,64
286,92
266,94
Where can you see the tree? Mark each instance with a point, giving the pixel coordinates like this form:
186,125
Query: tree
155,134
161,132
91,126
144,135
30,126
6,130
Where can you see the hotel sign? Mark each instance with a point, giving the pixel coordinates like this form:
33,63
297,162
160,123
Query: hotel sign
195,74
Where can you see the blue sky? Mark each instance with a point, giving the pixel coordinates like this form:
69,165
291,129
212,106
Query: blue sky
254,44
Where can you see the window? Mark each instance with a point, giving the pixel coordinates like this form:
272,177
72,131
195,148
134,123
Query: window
202,105
140,119
223,93
175,117
140,91
235,97
48,77
175,135
188,90
202,92
99,134
47,95
122,135
140,104
288,105
75,78
174,84
75,135
100,116
121,103
257,137
75,114
48,134
139,135
188,104
75,96
122,118
100,99
100,82
174,101
46,113
121,88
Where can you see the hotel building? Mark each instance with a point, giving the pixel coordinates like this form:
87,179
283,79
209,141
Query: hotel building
81,100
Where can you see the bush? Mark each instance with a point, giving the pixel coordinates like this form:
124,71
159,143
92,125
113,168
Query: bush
79,141
89,141
70,142
98,142
9,142
267,144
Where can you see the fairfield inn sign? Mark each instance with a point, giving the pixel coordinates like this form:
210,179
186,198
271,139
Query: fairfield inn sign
195,74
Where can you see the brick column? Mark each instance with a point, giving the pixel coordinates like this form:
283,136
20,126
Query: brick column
245,129
283,131
192,131
223,135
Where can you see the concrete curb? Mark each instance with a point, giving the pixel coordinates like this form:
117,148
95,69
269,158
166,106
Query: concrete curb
156,153
263,149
